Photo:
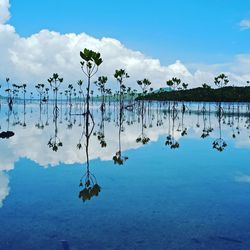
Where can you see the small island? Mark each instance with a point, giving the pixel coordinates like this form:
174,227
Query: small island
200,94
178,91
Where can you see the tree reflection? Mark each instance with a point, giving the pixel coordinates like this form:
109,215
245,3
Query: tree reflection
54,142
143,137
219,143
170,139
88,182
8,133
120,76
89,185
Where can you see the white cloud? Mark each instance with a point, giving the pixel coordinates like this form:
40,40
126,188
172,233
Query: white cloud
4,187
245,24
33,59
4,11
243,178
30,137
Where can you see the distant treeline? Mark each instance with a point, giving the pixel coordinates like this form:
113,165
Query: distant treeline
224,94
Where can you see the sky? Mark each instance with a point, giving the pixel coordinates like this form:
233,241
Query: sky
160,39
206,31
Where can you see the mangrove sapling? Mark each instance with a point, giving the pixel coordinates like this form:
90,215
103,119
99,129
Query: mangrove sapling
70,88
24,105
31,97
55,82
81,93
40,89
7,134
75,99
205,131
120,76
170,139
183,129
54,142
61,104
221,81
101,84
90,64
24,94
144,84
9,96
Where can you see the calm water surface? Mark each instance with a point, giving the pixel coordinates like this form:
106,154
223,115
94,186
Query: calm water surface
167,181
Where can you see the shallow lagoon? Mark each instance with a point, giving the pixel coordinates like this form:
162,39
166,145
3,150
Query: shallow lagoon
189,197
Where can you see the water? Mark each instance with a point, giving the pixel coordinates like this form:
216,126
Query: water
189,197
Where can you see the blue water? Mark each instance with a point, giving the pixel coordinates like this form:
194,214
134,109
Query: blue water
193,197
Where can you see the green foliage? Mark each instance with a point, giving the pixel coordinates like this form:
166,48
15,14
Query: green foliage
174,82
91,61
184,85
225,94
206,86
40,88
119,159
89,191
143,139
120,75
100,83
91,56
80,83
221,80
171,142
144,85
90,188
55,81
54,144
219,144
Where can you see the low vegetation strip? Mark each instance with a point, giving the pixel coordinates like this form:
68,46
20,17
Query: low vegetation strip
224,94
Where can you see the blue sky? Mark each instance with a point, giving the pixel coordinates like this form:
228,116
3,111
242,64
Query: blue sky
192,40
193,31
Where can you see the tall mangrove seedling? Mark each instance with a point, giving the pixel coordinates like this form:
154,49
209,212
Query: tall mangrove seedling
90,63
55,81
144,84
221,81
100,83
120,76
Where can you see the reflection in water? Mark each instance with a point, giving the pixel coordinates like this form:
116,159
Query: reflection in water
176,122
143,119
170,139
88,181
4,187
91,62
219,143
128,119
54,142
120,76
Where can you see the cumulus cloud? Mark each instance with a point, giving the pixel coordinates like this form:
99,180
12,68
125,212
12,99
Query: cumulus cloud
4,11
33,59
38,56
245,24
